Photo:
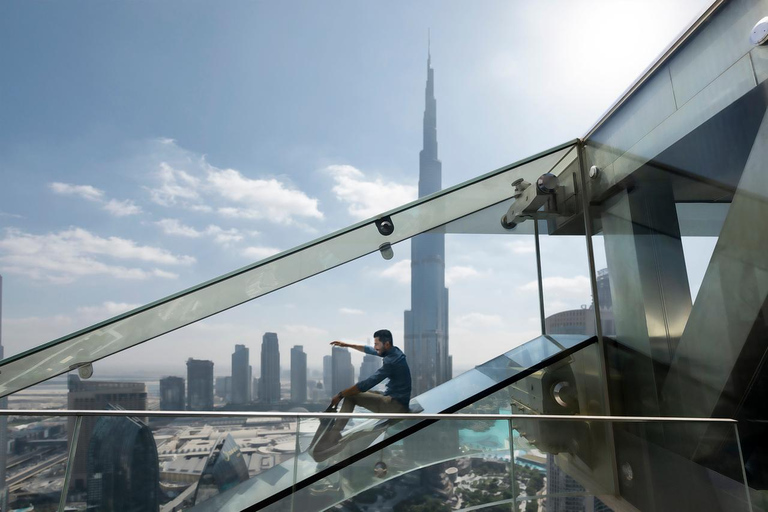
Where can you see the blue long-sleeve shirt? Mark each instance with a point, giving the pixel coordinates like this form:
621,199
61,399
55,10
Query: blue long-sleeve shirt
395,368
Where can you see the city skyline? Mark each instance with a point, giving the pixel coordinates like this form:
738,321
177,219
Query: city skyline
122,209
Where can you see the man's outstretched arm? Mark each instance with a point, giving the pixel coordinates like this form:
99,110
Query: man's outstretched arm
342,344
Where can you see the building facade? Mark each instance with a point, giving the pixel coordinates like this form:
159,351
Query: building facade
172,394
298,374
369,366
426,323
122,466
269,380
328,376
3,421
343,373
98,395
199,385
241,375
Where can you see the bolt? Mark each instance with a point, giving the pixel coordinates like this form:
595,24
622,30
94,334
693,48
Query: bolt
594,172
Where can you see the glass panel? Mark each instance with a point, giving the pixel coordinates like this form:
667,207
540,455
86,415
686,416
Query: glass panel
248,283
456,464
684,237
568,304
153,463
705,75
36,459
720,43
363,436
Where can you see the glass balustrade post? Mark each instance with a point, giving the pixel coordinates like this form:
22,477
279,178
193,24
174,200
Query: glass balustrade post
741,463
70,462
538,275
512,462
297,450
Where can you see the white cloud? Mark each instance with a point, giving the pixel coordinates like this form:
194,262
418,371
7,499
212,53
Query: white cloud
220,235
105,310
73,253
351,311
400,272
113,206
175,227
561,293
365,197
458,272
122,208
260,198
571,286
185,179
479,320
11,215
223,236
521,247
85,191
259,253
174,186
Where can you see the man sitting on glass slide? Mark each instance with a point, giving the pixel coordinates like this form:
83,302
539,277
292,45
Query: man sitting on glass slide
398,392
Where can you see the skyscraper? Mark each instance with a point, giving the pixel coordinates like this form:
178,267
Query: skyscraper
241,375
328,376
224,388
98,395
122,466
369,366
426,323
269,381
3,420
171,394
342,369
298,374
199,385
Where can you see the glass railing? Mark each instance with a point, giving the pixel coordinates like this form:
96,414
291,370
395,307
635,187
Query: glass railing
194,451
525,428
212,461
489,195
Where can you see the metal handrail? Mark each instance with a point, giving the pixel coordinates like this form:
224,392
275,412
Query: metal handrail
332,415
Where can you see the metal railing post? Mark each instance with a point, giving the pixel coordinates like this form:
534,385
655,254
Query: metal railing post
70,462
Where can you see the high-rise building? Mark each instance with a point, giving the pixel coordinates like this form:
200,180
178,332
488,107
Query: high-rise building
298,374
426,323
199,385
342,369
328,376
241,375
172,394
123,473
98,395
224,388
3,420
269,381
369,366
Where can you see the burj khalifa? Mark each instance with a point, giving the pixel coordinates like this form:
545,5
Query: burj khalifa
426,323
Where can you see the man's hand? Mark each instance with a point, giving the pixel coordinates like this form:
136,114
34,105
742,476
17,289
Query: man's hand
340,344
336,399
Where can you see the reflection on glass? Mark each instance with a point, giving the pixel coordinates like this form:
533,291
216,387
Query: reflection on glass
36,461
207,299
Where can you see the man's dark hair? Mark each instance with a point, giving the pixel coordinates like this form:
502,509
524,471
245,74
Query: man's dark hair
384,336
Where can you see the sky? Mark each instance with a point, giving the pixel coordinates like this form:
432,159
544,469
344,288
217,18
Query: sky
146,147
